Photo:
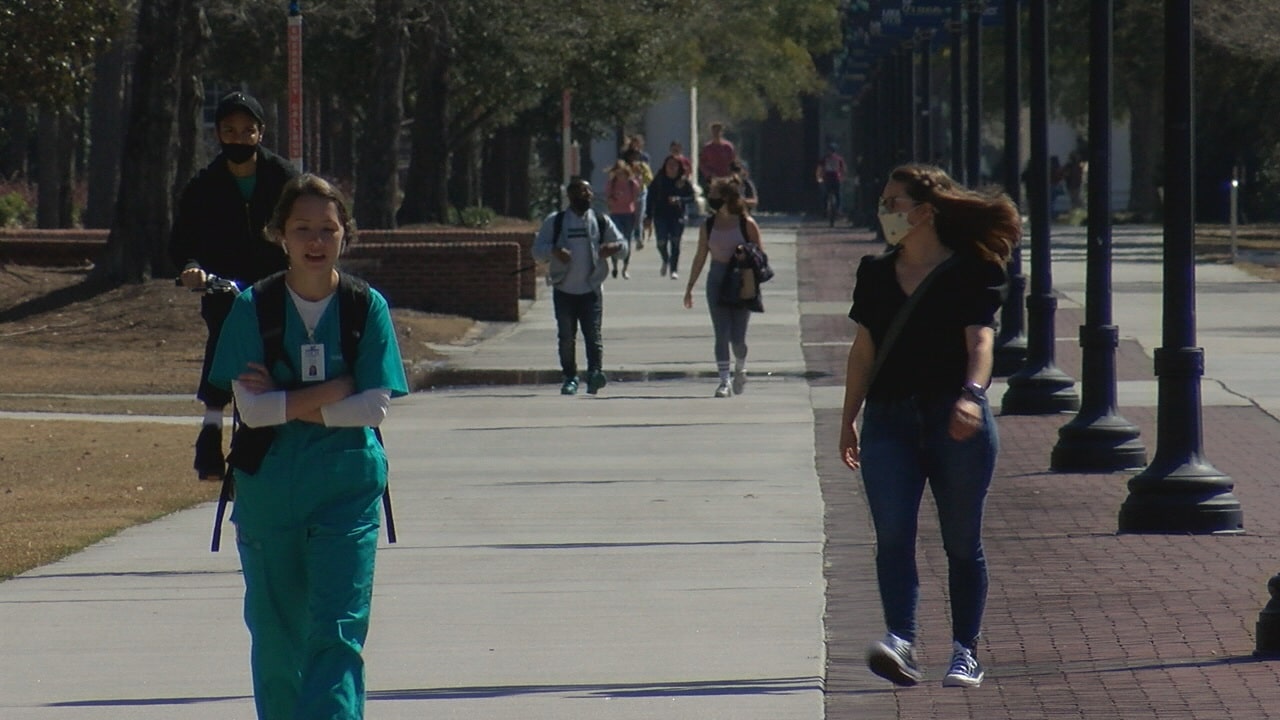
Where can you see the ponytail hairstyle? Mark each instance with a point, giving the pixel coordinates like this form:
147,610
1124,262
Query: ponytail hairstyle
984,222
729,189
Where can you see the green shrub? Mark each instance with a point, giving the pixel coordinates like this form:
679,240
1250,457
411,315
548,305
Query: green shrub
14,211
476,216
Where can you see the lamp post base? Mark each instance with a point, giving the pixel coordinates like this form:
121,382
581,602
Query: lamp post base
1046,391
1098,444
1010,356
1267,644
1193,497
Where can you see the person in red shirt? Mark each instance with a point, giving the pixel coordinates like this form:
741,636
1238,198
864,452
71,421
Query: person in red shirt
716,156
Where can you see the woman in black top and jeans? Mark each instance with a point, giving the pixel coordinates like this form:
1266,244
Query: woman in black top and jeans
926,418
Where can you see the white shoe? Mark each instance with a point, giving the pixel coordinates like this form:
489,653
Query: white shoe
675,276
723,391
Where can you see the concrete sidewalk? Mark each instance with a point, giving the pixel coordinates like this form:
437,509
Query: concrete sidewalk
653,552
648,552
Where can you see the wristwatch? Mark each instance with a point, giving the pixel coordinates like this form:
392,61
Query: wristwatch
975,391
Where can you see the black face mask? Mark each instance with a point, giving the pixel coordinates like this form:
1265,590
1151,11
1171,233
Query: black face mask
238,154
715,203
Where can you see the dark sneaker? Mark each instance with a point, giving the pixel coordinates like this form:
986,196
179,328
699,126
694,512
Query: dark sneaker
739,382
210,463
965,669
570,386
894,659
595,381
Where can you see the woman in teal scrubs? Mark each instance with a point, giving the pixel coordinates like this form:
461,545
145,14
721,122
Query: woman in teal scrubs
307,520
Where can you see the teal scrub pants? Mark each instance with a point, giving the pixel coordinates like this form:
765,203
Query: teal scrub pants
307,538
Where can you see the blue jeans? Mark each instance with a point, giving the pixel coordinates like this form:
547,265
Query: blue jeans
667,231
904,444
574,311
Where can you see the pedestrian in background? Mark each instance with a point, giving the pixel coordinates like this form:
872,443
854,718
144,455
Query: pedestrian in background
307,518
577,244
665,212
750,199
715,156
622,192
641,170
728,228
218,229
920,363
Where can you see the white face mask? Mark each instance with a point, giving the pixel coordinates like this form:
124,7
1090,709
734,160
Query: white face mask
895,225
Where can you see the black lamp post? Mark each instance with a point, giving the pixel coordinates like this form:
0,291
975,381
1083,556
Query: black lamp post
1099,439
1179,492
973,143
1011,343
1040,388
956,27
925,38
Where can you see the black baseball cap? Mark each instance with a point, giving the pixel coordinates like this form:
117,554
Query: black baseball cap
239,102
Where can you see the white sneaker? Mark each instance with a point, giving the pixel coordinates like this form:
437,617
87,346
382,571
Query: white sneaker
723,391
674,276
894,659
965,669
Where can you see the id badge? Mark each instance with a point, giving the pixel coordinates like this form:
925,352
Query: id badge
312,356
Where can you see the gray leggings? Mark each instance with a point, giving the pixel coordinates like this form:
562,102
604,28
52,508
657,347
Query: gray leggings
729,323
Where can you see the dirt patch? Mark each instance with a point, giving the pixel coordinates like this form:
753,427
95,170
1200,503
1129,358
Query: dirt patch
67,345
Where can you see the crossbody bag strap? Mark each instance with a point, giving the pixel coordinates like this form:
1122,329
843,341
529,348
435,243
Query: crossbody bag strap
904,314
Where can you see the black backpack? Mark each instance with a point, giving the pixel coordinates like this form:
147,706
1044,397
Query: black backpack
250,445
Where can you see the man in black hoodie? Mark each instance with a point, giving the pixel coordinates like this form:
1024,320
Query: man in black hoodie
218,230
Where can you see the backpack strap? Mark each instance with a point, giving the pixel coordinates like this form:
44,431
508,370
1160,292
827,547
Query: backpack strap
353,315
268,302
557,225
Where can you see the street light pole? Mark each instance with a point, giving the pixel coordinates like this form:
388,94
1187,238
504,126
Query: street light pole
1099,439
1011,343
1040,388
1179,492
973,144
956,27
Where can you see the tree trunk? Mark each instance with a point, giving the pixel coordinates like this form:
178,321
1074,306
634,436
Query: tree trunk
1146,149
377,187
144,211
190,121
426,183
106,127
55,152
506,171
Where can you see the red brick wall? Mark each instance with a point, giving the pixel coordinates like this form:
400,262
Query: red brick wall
476,279
528,279
474,273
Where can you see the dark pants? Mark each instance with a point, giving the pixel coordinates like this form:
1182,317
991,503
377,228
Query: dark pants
214,308
668,231
572,311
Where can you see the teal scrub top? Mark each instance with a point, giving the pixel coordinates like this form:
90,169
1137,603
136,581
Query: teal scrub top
312,473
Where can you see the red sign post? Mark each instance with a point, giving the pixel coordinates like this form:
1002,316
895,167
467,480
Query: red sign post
294,44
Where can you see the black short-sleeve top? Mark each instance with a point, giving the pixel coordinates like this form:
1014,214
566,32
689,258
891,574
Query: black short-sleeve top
930,357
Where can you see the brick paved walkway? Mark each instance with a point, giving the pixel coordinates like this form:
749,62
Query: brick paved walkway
1081,622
